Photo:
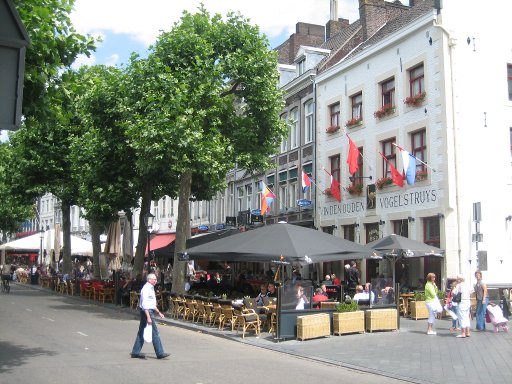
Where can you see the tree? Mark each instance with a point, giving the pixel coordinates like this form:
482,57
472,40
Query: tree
209,98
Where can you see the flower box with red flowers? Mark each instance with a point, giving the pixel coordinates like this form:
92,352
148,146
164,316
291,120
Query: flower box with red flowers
416,100
386,110
332,129
354,122
355,189
383,182
328,192
421,175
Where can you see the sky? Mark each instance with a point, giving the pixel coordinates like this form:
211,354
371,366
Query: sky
127,26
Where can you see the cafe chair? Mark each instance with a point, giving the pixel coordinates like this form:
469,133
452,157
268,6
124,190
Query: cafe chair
134,299
248,319
106,293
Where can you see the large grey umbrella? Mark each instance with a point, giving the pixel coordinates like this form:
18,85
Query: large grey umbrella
270,242
395,247
113,245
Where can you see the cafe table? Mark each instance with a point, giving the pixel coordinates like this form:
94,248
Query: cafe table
404,301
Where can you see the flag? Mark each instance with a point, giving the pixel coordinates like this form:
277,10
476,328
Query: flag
353,154
267,198
397,177
306,182
335,187
409,162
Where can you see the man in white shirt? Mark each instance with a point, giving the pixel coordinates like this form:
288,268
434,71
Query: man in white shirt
147,308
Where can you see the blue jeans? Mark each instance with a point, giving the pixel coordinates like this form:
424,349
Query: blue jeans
456,322
139,340
481,308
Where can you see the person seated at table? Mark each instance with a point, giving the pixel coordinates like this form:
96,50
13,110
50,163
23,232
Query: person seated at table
335,280
262,297
271,288
360,294
327,280
302,299
388,295
318,297
369,292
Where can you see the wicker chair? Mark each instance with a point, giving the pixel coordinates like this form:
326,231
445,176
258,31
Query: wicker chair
248,319
217,315
134,299
190,309
228,318
201,311
106,293
208,314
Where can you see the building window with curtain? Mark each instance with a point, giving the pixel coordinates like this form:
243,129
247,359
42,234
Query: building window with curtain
248,195
283,194
309,121
388,150
401,227
335,166
284,143
334,115
357,106
419,149
416,80
387,89
432,231
294,128
359,174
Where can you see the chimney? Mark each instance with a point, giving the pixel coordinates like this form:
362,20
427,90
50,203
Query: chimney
334,10
372,14
334,26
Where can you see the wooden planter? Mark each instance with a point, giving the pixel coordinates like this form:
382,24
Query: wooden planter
418,309
348,322
312,326
381,319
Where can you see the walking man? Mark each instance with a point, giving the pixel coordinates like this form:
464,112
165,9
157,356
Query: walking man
147,310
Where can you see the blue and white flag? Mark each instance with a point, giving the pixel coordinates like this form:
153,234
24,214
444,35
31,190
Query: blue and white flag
409,162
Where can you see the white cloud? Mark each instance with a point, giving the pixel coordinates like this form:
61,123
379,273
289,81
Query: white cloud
83,60
112,59
144,20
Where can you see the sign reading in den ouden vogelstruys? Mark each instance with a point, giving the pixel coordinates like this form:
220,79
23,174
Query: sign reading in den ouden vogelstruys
407,200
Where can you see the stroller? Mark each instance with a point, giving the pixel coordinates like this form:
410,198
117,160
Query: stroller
497,319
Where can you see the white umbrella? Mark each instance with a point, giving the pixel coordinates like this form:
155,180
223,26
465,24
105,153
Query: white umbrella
113,245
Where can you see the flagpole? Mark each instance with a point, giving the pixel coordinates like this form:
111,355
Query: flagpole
331,176
422,162
365,160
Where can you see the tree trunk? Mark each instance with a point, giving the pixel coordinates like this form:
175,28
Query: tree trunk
182,232
96,230
66,238
142,240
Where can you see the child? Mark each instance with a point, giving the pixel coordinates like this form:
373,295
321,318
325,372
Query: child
497,318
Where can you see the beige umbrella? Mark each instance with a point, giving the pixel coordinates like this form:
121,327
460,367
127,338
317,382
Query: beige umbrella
47,258
56,244
113,245
127,244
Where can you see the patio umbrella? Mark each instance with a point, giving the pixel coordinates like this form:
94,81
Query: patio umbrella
395,247
113,245
56,245
127,241
270,242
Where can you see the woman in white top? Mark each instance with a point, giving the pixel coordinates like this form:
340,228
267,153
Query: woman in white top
464,305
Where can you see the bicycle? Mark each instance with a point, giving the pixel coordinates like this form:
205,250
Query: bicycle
6,287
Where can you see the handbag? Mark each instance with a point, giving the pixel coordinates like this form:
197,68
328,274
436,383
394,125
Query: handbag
457,297
148,333
436,306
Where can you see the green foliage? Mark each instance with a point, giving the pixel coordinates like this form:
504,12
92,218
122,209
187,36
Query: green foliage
419,295
441,295
347,307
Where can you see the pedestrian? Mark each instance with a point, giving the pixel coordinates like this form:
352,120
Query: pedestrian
354,278
147,309
432,302
482,301
464,305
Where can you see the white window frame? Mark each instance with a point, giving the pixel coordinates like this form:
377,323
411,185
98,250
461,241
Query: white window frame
309,122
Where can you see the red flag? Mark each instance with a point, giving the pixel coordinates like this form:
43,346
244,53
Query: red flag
353,154
335,187
397,177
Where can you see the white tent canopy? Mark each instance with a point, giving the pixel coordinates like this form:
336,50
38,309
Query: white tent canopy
33,244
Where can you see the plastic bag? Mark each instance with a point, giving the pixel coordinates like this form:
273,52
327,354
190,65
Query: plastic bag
148,333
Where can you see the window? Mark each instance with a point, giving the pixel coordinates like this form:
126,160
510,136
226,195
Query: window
240,191
357,106
309,122
248,194
358,176
388,150
284,143
416,80
349,232
401,227
419,148
388,92
301,65
283,192
308,169
509,81
294,128
335,166
334,113
431,231
270,180
292,193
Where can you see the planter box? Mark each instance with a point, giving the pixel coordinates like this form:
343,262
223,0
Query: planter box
312,326
348,322
381,319
418,309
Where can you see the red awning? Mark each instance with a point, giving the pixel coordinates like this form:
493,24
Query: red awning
161,241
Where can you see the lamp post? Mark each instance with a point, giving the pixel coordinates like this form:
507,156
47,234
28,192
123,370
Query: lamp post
148,222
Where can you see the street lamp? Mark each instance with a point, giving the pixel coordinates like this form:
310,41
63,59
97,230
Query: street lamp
148,222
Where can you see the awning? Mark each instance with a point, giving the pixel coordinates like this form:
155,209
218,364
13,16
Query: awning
161,241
